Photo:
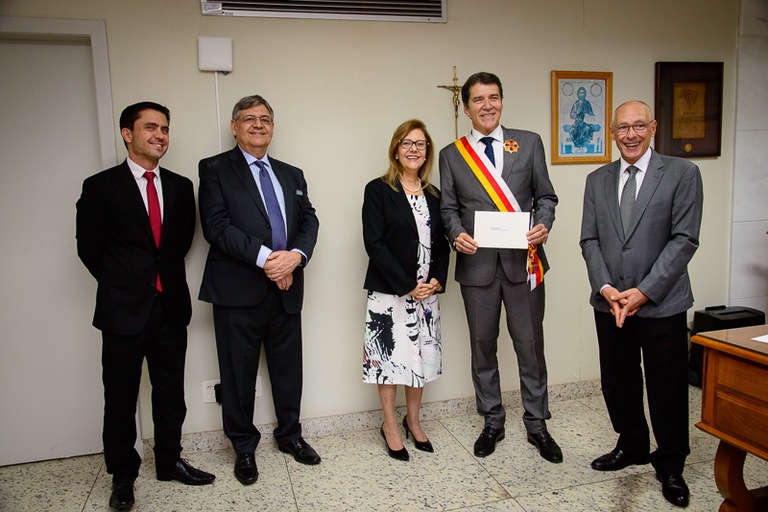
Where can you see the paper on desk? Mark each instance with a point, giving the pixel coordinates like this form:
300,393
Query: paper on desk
503,230
764,338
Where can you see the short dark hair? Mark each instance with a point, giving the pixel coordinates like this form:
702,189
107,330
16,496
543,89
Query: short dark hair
250,102
482,77
132,112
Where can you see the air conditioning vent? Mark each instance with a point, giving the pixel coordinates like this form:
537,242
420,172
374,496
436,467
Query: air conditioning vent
432,11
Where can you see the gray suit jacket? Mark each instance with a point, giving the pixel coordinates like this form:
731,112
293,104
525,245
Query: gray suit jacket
662,236
525,172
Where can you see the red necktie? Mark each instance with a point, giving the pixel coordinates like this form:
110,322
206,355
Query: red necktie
154,214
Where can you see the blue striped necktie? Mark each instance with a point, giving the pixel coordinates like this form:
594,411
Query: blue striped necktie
279,242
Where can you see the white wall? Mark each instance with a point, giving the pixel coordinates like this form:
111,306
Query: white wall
749,241
339,88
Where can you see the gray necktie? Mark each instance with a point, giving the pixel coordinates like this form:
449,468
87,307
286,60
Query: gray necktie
627,203
273,208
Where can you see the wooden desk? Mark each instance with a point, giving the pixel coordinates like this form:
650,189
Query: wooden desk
735,409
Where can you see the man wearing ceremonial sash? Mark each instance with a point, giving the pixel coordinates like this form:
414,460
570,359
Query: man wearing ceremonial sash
498,169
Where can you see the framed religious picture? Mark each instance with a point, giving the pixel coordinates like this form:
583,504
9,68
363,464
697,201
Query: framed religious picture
581,115
689,108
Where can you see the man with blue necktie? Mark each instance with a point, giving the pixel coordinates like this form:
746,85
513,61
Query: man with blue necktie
494,168
262,229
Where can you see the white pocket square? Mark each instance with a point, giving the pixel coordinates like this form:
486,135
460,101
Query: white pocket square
299,193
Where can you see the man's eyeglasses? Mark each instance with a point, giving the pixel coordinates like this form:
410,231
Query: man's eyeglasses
639,128
264,120
407,144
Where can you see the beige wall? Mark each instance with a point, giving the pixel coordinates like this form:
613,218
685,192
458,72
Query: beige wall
339,88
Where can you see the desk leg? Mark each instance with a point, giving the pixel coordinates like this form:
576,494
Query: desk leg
729,477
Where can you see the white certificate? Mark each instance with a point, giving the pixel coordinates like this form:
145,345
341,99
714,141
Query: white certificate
503,230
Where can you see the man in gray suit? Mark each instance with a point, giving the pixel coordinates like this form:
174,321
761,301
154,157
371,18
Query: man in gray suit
498,169
640,228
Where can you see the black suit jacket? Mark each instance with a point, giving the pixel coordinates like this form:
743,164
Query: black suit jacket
392,240
236,224
115,242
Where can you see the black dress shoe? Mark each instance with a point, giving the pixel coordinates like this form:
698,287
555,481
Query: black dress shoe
547,446
486,443
301,451
674,489
182,471
401,454
246,471
424,446
122,494
618,459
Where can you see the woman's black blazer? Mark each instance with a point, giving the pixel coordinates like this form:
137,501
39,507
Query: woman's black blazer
392,240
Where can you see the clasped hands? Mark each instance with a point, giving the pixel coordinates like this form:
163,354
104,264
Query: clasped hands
623,304
279,267
424,290
467,245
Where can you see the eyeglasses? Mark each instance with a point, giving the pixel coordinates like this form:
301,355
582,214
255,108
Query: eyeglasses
407,144
264,120
639,128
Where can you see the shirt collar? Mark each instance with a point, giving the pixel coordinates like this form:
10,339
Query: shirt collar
641,164
497,134
138,171
249,158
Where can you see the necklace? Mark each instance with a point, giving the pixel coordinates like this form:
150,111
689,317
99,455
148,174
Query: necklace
411,190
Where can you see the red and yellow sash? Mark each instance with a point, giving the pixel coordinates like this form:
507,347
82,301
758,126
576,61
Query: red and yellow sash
502,202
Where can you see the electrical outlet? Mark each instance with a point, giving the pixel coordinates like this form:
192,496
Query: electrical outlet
259,387
209,393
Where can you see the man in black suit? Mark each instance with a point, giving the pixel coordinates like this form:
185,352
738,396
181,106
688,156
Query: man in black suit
256,214
135,224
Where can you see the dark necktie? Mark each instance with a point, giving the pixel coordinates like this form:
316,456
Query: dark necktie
279,242
488,141
628,193
153,205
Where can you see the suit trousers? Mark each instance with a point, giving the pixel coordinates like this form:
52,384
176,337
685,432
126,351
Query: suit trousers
240,334
662,346
122,357
525,313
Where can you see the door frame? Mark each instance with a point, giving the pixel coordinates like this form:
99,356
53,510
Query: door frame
95,31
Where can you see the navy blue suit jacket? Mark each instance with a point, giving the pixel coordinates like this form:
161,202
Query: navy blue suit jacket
236,224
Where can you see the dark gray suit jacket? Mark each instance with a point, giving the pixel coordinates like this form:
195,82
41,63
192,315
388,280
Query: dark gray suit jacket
661,239
236,224
525,172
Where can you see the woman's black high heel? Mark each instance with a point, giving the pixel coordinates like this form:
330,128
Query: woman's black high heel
425,446
395,454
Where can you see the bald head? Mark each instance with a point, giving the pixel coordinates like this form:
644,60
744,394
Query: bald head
635,104
632,129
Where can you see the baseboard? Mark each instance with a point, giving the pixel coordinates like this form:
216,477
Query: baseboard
318,427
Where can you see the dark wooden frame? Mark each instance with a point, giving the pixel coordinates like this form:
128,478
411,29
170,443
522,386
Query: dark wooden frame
689,108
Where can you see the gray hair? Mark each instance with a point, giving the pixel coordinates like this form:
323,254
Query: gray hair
250,102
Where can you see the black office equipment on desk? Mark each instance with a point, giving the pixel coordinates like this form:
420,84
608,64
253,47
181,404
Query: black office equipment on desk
716,318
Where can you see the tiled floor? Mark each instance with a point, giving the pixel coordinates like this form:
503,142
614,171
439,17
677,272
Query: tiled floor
356,474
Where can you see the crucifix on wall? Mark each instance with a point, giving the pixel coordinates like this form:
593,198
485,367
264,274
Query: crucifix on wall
456,90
